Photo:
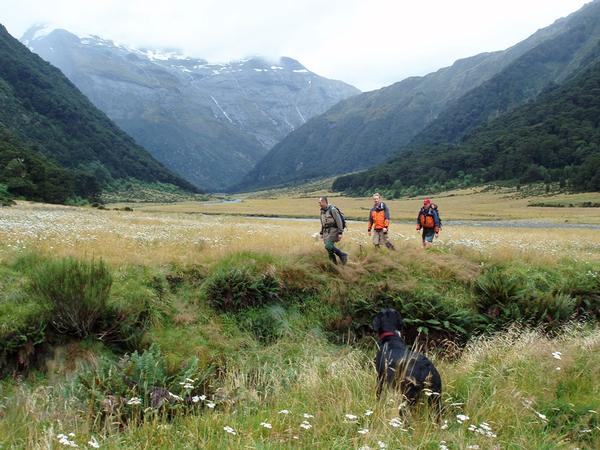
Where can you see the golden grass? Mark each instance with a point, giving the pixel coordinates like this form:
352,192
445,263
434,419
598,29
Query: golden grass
153,236
468,204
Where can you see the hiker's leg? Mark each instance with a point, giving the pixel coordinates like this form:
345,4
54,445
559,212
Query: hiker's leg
330,247
386,241
342,255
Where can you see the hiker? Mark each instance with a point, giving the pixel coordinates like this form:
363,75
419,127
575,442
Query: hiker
379,221
428,220
332,227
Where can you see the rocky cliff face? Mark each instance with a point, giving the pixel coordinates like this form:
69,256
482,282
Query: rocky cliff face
210,123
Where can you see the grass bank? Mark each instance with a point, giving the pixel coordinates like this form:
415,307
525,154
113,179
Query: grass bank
212,354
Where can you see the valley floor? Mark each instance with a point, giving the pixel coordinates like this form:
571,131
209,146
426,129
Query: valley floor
248,312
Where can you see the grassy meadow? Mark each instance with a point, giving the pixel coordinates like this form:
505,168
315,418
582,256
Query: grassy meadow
187,326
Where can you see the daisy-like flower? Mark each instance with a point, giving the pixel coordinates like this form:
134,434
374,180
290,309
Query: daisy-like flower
93,443
368,412
176,397
229,430
351,417
381,444
266,425
443,445
396,422
188,386
461,418
134,401
305,425
473,447
307,416
211,405
190,380
540,415
363,431
284,411
556,355
444,425
64,440
195,398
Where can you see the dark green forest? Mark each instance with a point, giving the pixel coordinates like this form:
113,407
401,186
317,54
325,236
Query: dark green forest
45,112
25,173
555,138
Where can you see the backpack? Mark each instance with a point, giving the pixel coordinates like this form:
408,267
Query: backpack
426,220
341,217
435,208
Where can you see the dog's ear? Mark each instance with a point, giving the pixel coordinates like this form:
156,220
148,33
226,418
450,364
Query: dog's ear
377,323
399,321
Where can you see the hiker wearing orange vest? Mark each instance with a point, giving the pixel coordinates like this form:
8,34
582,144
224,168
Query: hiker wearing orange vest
429,221
379,222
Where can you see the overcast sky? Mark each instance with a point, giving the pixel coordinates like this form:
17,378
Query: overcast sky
368,43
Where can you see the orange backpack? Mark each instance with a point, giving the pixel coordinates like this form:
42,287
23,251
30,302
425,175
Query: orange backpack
427,220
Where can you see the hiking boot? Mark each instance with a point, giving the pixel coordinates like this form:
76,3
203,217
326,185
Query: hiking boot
344,258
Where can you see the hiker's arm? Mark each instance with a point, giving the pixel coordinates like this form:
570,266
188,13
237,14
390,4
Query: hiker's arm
370,221
338,220
419,221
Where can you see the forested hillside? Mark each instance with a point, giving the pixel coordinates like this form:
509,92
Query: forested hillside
556,138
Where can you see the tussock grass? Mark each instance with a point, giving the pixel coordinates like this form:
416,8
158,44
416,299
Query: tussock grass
295,334
508,381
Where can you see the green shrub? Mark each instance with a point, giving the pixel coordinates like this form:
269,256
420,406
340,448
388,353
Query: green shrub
5,196
241,286
534,296
77,292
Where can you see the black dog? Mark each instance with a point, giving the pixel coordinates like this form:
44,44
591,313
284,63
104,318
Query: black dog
400,367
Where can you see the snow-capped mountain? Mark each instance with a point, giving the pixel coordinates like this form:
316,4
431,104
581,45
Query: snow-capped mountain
209,122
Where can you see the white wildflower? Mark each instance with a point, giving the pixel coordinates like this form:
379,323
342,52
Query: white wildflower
195,399
307,416
462,418
211,405
541,416
363,431
556,355
176,397
64,440
381,444
266,425
351,417
305,425
134,401
396,422
284,411
368,412
93,443
443,445
444,425
229,430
